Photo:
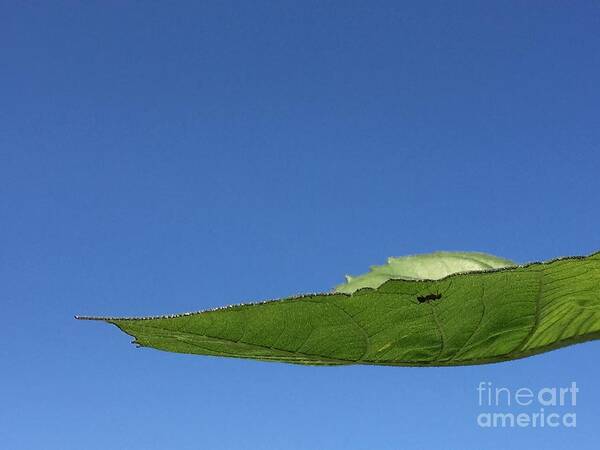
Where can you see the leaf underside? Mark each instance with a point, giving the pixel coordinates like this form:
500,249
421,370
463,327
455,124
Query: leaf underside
465,318
430,266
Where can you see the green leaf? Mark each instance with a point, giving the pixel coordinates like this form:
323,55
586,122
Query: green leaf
477,317
431,266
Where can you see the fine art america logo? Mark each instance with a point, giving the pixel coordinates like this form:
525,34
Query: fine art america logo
527,408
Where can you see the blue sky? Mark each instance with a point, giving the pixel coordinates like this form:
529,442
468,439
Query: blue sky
169,157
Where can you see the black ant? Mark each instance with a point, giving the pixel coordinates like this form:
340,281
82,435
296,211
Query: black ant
428,298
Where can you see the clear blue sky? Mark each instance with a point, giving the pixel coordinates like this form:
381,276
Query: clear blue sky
169,157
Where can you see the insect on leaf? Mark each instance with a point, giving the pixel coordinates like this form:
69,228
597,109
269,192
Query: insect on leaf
439,309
